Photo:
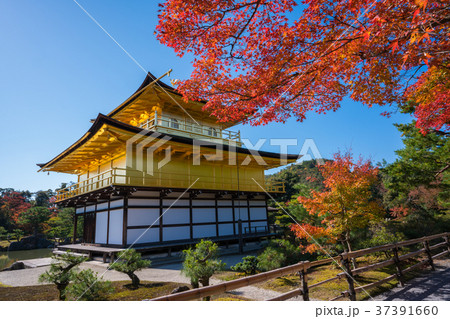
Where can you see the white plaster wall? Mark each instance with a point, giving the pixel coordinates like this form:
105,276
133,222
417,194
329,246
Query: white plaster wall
258,224
115,226
149,235
203,215
143,216
204,231
257,213
101,227
143,202
243,211
176,233
225,214
176,216
224,203
225,229
90,208
240,203
257,203
102,206
116,203
174,202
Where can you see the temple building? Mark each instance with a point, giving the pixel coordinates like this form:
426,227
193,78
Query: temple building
159,171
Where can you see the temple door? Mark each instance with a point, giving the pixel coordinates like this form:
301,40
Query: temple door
89,228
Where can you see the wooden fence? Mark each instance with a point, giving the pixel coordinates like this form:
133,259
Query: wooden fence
344,259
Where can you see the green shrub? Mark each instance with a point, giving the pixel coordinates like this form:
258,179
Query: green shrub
380,235
88,287
249,265
62,271
201,263
271,259
3,233
130,261
279,253
17,234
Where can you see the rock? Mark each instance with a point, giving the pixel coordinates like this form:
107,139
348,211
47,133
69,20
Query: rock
180,289
31,242
15,266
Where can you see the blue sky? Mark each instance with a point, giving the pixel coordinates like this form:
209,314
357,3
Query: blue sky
58,70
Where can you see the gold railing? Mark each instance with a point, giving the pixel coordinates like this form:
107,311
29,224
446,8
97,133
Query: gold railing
129,177
179,127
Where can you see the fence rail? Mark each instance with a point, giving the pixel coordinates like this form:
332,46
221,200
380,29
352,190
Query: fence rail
344,259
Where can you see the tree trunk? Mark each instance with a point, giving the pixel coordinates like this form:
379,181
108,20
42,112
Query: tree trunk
349,247
62,290
205,282
134,279
194,284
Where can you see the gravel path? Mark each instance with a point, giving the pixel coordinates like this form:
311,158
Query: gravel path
432,286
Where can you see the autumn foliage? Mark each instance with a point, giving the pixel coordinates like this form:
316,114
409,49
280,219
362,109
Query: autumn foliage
346,203
260,61
13,204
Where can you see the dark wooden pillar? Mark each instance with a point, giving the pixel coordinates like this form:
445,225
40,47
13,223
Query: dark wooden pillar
234,217
84,224
248,216
125,220
191,220
267,214
217,217
107,225
161,212
94,223
75,223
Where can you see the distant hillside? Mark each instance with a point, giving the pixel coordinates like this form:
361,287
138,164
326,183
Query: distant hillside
305,173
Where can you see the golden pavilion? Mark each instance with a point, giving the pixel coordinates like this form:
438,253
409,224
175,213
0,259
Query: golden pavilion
160,171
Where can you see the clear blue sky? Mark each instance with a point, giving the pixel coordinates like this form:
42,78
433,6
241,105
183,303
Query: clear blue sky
58,70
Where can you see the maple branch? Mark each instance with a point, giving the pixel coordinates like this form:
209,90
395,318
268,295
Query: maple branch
244,27
446,167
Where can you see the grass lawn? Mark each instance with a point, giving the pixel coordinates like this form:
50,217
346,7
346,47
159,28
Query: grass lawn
334,288
123,291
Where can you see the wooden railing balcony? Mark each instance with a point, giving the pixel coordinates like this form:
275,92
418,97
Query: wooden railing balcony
129,177
174,126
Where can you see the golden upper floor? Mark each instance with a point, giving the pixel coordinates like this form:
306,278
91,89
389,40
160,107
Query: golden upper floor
159,107
149,126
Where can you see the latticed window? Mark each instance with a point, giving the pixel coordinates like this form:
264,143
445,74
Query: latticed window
212,131
174,123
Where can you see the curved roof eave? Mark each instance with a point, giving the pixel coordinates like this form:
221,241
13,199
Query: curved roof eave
103,119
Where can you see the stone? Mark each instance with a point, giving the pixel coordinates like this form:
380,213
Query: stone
31,242
15,266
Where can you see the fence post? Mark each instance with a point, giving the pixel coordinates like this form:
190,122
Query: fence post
428,251
305,290
447,240
348,276
397,266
